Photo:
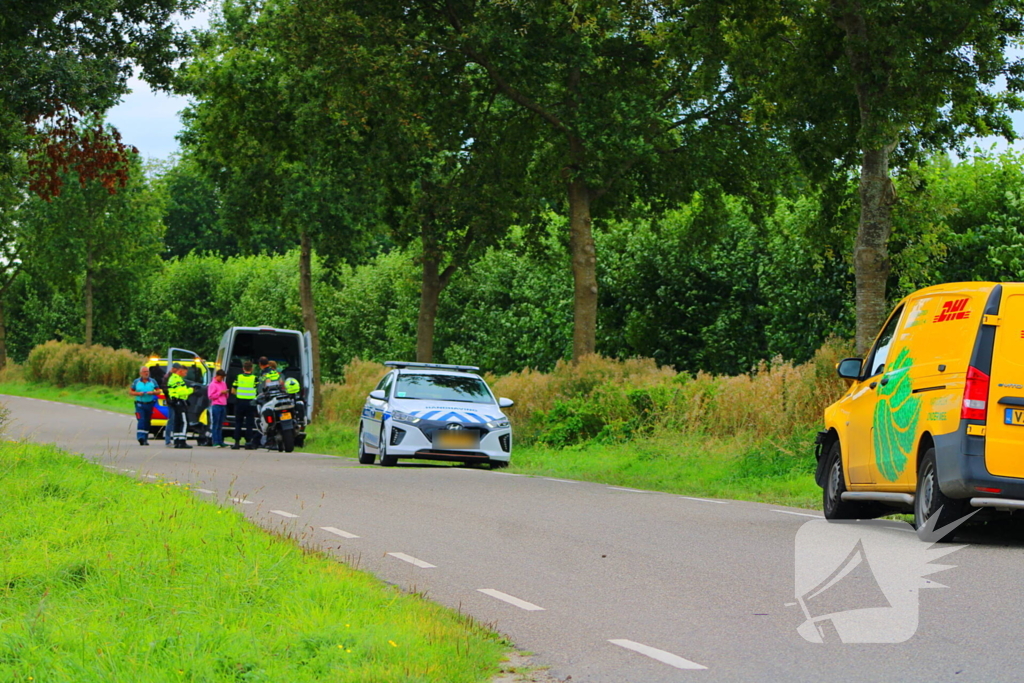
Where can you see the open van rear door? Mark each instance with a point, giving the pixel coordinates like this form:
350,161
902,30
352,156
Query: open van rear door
307,373
203,372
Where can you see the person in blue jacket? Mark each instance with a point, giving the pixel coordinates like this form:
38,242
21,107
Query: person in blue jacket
144,389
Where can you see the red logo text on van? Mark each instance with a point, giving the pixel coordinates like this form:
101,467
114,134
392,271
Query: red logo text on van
953,310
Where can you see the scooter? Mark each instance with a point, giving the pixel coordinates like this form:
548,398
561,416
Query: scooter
276,420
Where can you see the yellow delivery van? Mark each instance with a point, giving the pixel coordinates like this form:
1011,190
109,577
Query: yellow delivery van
934,414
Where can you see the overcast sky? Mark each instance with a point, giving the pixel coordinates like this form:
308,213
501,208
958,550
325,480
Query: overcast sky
150,120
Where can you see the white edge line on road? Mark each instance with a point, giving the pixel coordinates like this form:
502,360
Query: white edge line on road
241,502
564,481
706,500
150,476
284,514
412,560
338,532
619,488
799,514
512,600
204,490
505,474
660,655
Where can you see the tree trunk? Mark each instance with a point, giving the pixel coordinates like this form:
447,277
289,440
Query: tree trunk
430,293
3,337
88,299
871,252
3,322
584,270
308,305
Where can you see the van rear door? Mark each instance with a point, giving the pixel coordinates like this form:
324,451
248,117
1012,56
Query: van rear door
1004,428
307,373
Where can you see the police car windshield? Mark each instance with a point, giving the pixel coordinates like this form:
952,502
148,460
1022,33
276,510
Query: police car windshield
442,388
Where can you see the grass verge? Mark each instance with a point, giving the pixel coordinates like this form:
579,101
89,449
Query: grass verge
88,395
765,471
104,578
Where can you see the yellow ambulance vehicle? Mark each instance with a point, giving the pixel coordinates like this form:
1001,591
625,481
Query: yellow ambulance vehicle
934,415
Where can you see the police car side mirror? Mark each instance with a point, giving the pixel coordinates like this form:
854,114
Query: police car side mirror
505,403
378,395
849,368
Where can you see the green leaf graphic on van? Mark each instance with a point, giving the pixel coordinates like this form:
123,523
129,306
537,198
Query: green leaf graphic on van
895,419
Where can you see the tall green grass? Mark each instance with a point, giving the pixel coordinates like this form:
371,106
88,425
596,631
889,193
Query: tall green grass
103,578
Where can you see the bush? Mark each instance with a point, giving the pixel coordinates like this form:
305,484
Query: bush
343,401
608,400
61,363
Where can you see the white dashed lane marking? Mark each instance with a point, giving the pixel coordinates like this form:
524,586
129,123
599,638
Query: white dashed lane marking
654,653
284,514
706,500
798,514
510,599
241,502
338,532
412,560
619,488
205,491
564,481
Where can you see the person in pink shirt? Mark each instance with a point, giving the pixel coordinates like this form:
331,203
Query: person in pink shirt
218,393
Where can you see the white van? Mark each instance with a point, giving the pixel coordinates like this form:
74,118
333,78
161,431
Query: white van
290,349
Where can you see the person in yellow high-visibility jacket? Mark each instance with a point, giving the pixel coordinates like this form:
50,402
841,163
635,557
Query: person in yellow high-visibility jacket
177,396
244,391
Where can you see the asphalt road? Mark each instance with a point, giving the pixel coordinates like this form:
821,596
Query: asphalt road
600,583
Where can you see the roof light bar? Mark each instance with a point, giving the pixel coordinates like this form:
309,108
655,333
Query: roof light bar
459,368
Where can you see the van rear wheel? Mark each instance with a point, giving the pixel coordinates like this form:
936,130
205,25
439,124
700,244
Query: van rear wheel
833,504
929,499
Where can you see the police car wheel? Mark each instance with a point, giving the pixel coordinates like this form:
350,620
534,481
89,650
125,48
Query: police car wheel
498,464
386,460
364,457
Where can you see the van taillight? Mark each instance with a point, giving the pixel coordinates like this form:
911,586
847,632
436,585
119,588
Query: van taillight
975,406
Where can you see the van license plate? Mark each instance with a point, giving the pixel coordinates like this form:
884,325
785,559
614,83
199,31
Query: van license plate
1015,416
456,439
286,416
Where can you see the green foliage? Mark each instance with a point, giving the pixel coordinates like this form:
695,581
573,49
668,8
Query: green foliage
193,215
104,246
42,48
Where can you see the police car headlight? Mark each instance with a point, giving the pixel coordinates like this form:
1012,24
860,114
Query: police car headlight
500,423
399,416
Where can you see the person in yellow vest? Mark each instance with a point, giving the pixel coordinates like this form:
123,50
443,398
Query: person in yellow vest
177,396
244,391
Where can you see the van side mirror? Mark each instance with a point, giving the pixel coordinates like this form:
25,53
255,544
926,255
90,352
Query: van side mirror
378,394
849,368
505,403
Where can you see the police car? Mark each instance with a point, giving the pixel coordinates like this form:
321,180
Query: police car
427,411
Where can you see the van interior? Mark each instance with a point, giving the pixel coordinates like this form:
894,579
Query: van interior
283,348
